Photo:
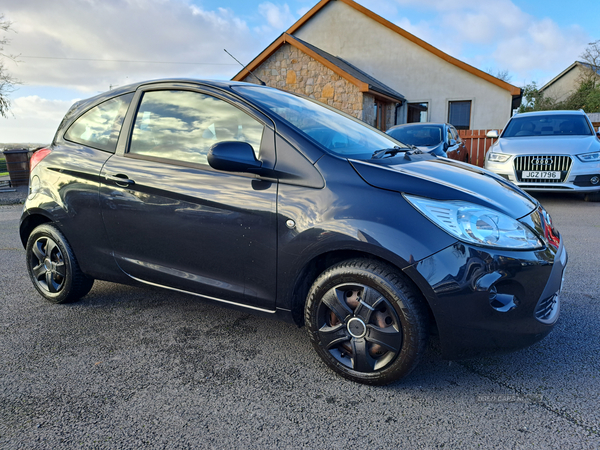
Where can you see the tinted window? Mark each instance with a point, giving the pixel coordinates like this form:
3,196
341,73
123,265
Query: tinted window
425,135
337,132
100,126
184,125
453,134
554,124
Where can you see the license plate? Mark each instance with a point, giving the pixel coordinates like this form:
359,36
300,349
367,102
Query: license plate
542,174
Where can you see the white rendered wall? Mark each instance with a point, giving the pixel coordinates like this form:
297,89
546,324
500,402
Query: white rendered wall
404,66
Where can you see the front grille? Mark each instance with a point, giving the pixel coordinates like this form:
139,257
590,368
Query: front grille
546,309
538,163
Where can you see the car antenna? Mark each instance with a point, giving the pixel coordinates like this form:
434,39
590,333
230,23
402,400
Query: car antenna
251,73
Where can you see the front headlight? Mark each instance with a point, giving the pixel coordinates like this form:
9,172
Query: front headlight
498,157
476,224
590,157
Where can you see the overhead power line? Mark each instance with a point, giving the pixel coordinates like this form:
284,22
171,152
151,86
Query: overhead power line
128,61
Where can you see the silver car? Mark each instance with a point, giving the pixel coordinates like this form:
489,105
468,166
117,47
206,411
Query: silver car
548,151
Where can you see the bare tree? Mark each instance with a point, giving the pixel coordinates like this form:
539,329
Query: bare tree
591,58
7,81
591,55
503,75
587,95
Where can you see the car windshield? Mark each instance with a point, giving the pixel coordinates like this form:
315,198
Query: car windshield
337,132
419,135
548,125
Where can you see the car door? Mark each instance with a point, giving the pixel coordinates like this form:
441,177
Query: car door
174,221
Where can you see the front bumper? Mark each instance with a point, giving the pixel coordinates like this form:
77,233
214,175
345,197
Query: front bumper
487,301
577,180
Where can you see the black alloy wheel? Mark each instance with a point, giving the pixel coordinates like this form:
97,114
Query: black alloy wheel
53,268
366,322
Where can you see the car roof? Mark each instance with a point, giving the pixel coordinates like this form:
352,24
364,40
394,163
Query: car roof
226,84
550,113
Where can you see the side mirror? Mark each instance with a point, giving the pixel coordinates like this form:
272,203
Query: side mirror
233,156
492,134
453,142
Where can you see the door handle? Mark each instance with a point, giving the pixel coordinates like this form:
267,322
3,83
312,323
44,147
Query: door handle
120,180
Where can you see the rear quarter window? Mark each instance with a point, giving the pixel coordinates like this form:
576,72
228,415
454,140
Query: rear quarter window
100,126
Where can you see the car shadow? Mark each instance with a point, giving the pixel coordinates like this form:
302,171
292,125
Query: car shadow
189,320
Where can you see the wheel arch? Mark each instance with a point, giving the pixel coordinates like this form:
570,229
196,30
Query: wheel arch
318,264
30,223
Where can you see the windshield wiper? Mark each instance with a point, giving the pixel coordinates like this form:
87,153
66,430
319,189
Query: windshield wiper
379,154
388,151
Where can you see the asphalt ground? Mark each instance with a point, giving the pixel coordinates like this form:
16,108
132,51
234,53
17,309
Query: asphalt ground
133,368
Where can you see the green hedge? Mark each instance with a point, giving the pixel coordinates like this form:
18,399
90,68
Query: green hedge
3,168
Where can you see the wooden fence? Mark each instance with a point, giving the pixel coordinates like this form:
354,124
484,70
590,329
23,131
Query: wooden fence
477,144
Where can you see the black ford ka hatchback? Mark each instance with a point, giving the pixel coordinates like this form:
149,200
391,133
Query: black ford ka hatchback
272,202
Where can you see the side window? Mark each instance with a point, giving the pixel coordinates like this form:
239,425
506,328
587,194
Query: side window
100,126
183,125
453,134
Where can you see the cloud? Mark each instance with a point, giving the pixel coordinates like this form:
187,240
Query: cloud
97,44
278,17
542,47
495,34
33,119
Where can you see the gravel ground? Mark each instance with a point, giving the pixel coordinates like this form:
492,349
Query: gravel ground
132,368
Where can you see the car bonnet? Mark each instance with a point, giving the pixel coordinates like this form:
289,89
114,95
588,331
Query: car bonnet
445,179
548,145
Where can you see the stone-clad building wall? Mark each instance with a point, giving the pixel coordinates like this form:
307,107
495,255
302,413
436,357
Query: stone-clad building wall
369,112
292,70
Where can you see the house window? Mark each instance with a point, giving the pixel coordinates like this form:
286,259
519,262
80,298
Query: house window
459,114
417,112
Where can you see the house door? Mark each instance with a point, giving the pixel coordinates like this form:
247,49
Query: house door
380,115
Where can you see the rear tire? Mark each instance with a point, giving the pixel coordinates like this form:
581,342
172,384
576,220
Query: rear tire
53,268
366,322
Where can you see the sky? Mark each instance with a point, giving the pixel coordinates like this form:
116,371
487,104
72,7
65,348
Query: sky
68,50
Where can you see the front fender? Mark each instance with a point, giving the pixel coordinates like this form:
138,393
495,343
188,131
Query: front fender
348,217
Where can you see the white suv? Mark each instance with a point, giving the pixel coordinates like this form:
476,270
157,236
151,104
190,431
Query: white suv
548,151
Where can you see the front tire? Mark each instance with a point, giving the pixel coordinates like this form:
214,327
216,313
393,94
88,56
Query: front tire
366,322
53,268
